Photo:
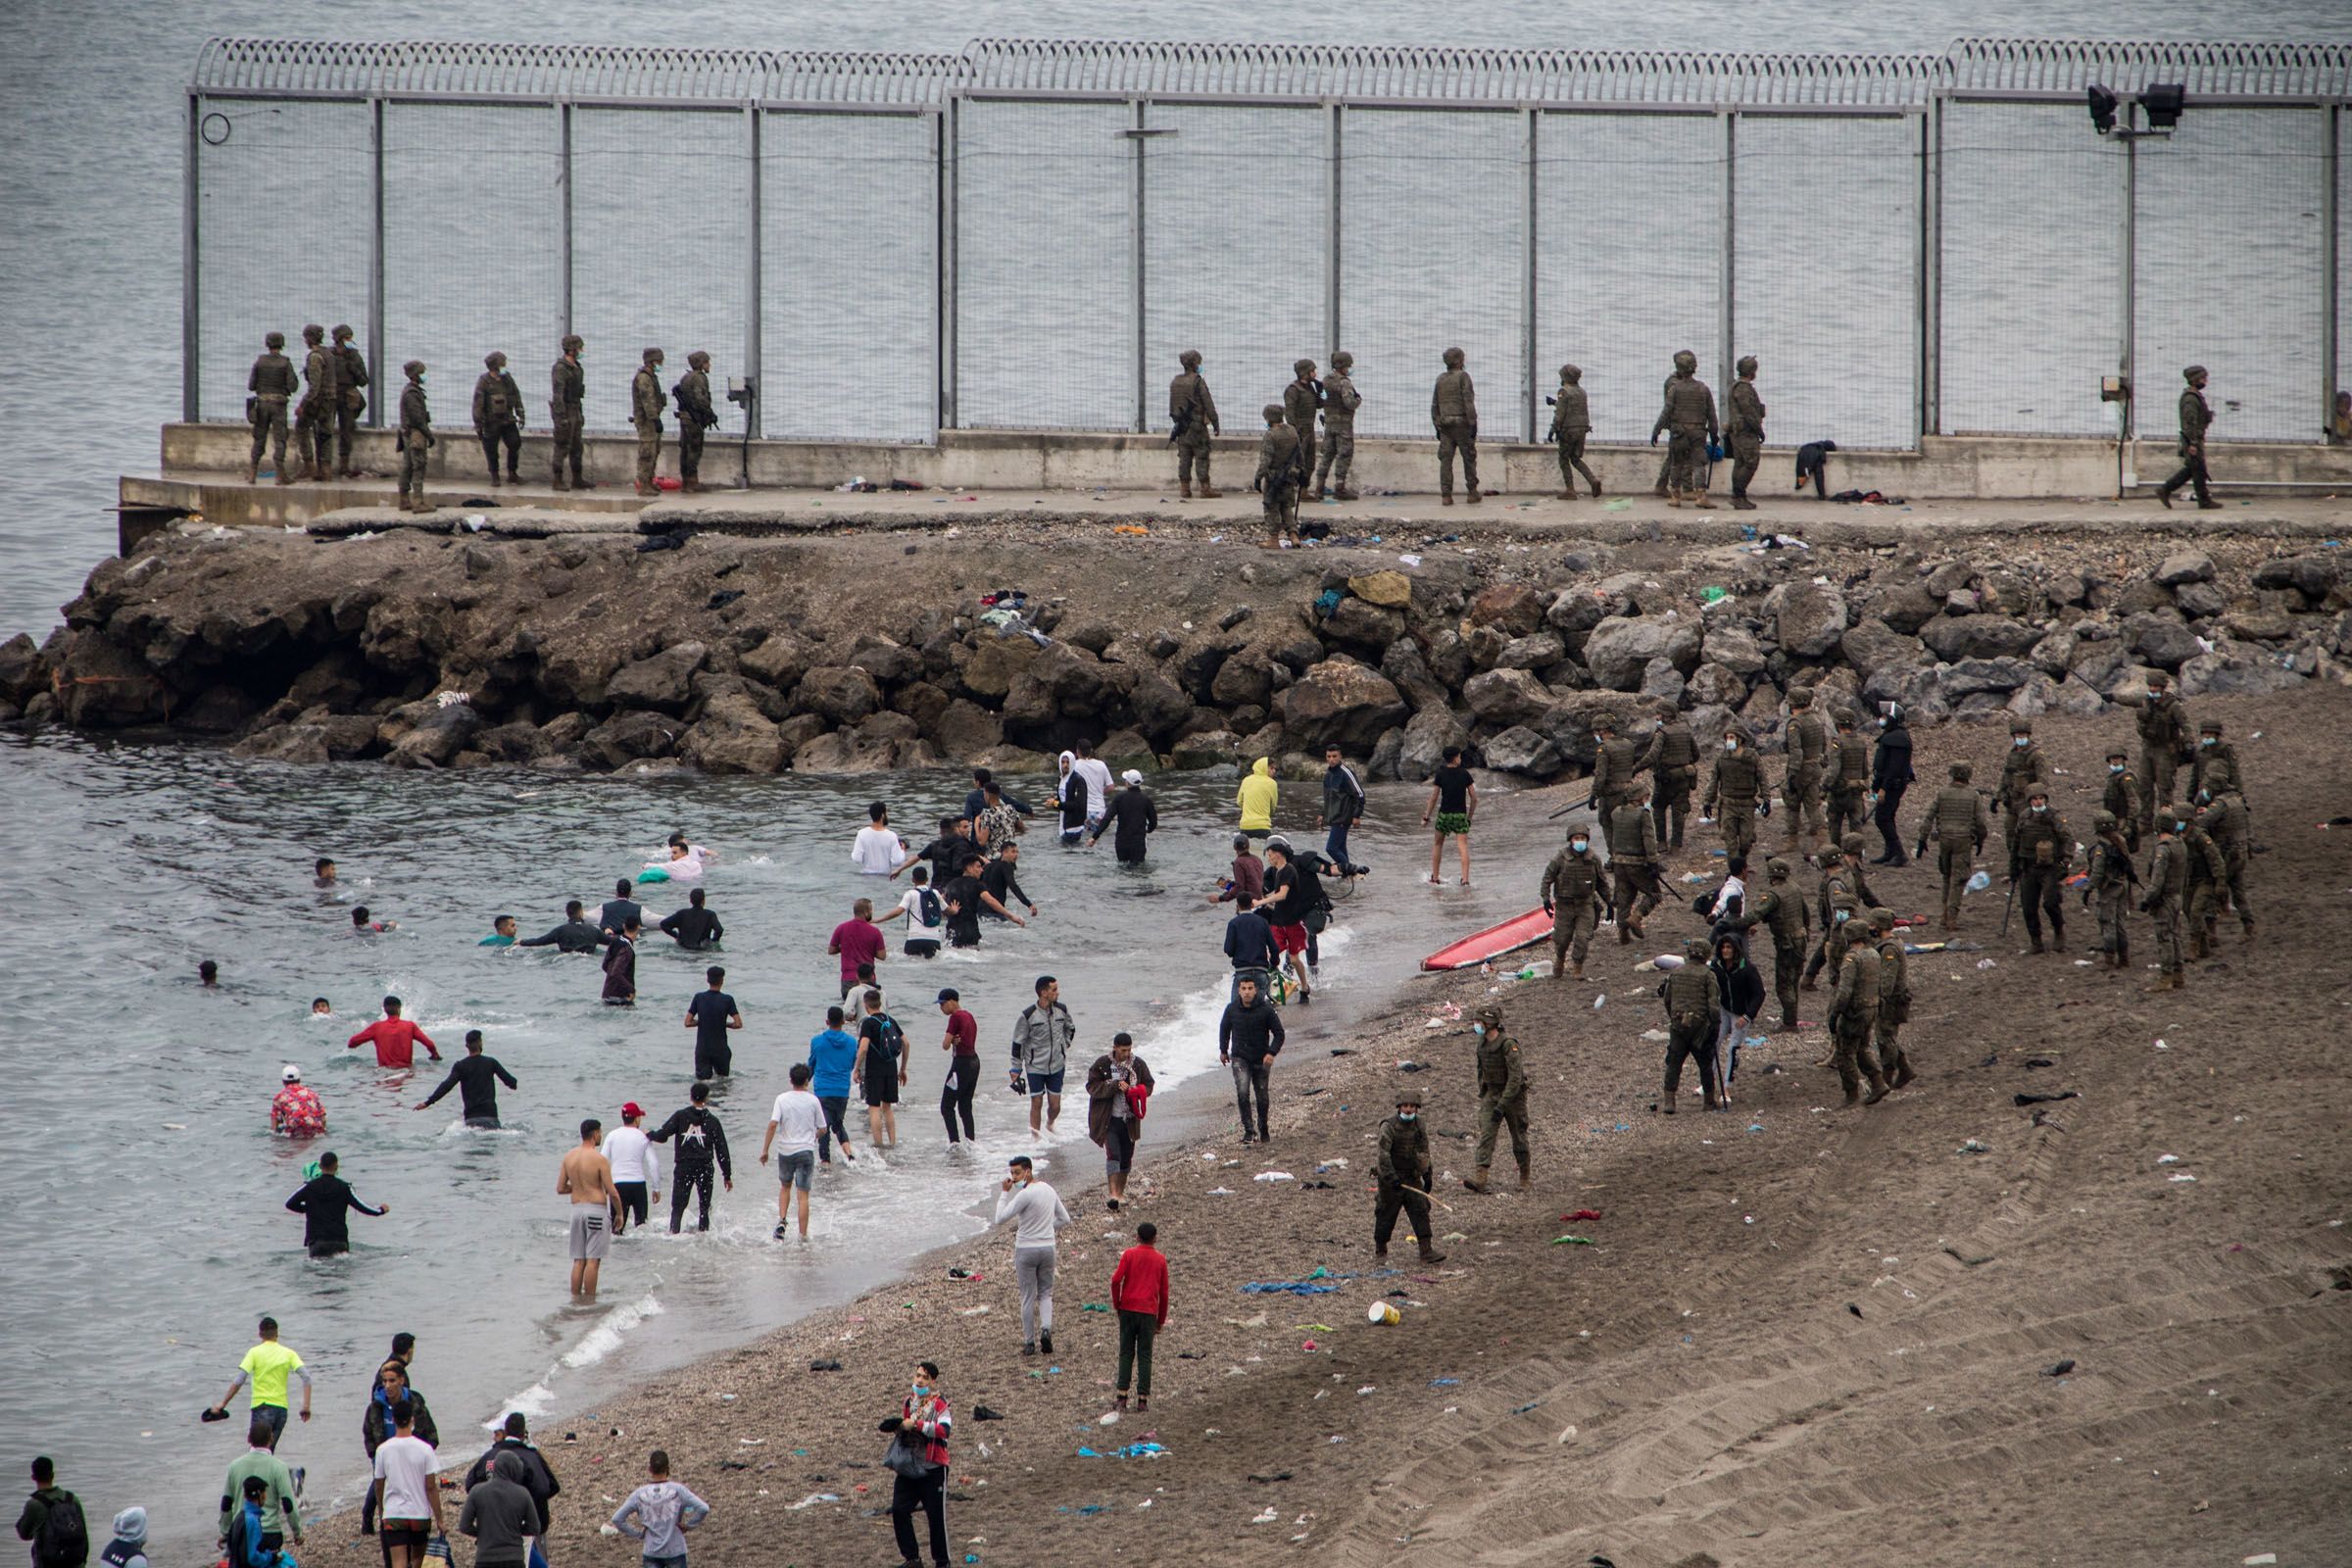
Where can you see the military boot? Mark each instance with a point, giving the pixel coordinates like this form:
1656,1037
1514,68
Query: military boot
1576,970
1701,501
1319,493
1444,497
2246,926
1568,495
420,504
1380,1255
1430,1254
560,484
1853,1085
1344,493
253,473
286,475
1596,489
1523,1173
1706,1095
2162,982
1184,490
2036,947
1142,1404
1788,1017
1877,1089
1660,489
1479,1182
1674,497
1207,494
2057,936
1902,1070
1666,1101
1474,495
1740,502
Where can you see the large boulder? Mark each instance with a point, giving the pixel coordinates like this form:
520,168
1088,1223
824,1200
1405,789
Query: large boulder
1715,686
964,730
1427,735
1074,676
1522,751
1871,646
1511,607
1956,637
1809,618
780,661
434,737
845,754
1029,705
629,737
1663,682
23,669
993,665
1196,664
2197,600
841,694
663,682
1339,701
1409,673
1574,615
733,736
1160,706
890,663
1972,675
1619,650
1568,724
2161,641
2311,576
2186,565
1539,651
1361,626
1507,697
2234,673
1387,588
1736,649
1906,606
1244,680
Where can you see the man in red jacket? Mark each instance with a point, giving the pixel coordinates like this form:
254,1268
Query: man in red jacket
1138,1293
396,1039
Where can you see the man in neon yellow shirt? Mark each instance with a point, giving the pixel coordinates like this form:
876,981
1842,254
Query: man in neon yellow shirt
270,1365
1257,799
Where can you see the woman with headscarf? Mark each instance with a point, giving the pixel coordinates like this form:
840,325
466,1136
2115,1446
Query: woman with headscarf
1071,794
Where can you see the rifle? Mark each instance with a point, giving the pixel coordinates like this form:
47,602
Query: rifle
1572,805
2010,905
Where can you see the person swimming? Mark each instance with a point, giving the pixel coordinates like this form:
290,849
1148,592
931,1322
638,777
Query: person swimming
502,933
208,975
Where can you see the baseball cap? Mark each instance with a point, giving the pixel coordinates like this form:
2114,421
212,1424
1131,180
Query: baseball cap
292,1074
632,1109
949,995
1131,776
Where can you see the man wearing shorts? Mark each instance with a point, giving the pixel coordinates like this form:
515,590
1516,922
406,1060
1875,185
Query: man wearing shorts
880,1071
1040,1054
409,1501
1284,909
586,1177
792,1129
270,1365
636,1168
1453,802
961,1042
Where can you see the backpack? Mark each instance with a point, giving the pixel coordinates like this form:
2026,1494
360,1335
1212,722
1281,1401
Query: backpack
893,1038
64,1538
928,904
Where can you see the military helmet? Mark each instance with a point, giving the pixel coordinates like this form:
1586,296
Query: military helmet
699,360
274,340
2103,822
1684,359
1668,709
2021,727
1845,900
1845,719
1302,367
1694,950
1342,360
1638,790
1746,364
1604,723
574,343
314,334
495,360
1491,1013
1189,359
1852,843
2210,726
2118,754
1961,772
1570,375
1882,918
2158,680
653,356
1455,359
2038,792
413,370
1273,413
2193,373
341,333
1800,697
1409,1097
1777,869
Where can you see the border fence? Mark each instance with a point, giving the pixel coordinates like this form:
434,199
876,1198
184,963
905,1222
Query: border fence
1024,235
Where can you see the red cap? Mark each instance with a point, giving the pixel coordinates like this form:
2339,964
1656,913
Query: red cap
631,1109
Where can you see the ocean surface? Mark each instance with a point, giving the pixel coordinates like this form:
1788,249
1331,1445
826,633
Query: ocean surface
146,1220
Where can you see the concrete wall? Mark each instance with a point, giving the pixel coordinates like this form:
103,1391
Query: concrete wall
1980,468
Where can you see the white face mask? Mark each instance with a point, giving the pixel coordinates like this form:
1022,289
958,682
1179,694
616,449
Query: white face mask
2115,767
1841,917
2204,739
1730,745
1407,1115
2039,810
2022,742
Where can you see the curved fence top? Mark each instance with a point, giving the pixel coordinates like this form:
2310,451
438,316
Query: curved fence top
1301,73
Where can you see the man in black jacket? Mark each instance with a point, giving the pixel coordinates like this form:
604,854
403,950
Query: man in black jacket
1890,775
322,1204
619,910
694,929
702,1143
536,1478
1248,1039
1738,998
476,1077
575,935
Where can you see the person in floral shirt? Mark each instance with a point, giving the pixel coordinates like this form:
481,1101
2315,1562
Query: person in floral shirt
296,1111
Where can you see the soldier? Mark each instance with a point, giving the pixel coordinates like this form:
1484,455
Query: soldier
2123,800
315,417
1747,433
1808,746
1574,891
1689,415
1854,1013
2164,745
646,400
272,381
1302,401
1571,423
351,376
2040,854
1791,926
2228,826
568,388
2207,883
1632,853
1454,410
1405,1173
1666,463
1736,793
2111,881
2196,418
1672,763
2168,892
1340,400
2022,769
1895,999
416,438
498,416
1502,1096
1957,819
1613,768
695,416
1840,878
1845,777
1192,420
2216,773
1279,472
1891,778
1688,993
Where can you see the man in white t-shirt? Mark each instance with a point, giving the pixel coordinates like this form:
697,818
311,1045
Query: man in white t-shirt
407,1502
1097,774
925,913
636,1168
792,1132
879,851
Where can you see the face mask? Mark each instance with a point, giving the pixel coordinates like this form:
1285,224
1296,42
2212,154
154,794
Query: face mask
2039,810
2022,742
2115,767
921,1390
1479,1029
1580,845
2204,739
1407,1115
1731,746
1841,917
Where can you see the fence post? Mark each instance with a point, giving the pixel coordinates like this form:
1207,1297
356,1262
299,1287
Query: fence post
1726,293
1331,227
751,269
191,192
1136,109
2130,303
2332,261
945,260
563,229
376,347
1930,324
1527,279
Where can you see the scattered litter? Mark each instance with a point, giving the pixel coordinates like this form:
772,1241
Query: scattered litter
1972,1147
1524,1408
2260,1560
981,1412
1095,1306
1572,1240
1443,1383
972,1311
1220,1192
1286,1287
1600,1001
1133,1450
2061,1369
1273,1176
1985,964
1581,1214
1851,1307
1565,1434
2168,1159
1653,1035
2181,1176
812,1500
1409,561
1266,1518
824,1366
1382,1312
1269,1480
2040,1100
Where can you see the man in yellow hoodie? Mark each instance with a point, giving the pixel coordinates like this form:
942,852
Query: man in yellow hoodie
1256,796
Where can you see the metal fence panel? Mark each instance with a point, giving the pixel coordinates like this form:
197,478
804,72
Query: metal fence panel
849,240
1616,310
2032,271
282,234
1431,223
1045,332
1829,309
1234,248
2343,250
2236,194
660,223
471,200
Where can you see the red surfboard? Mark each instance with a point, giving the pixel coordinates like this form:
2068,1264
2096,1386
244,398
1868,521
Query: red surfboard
1521,931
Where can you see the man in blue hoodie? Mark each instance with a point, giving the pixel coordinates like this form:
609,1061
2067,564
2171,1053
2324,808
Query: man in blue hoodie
832,1059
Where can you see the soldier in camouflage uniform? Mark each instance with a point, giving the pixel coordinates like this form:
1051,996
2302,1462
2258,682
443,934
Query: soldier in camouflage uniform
1192,420
2217,771
272,381
1302,401
2228,826
2123,800
2164,745
1736,793
2111,882
2196,418
1956,821
1841,877
566,395
1574,891
1785,914
694,417
1688,417
1613,768
1633,862
2023,770
1808,750
1502,1096
1689,996
2207,883
1278,477
1571,424
1747,433
2167,893
1672,763
2039,854
1340,400
416,438
498,416
646,400
351,376
1453,410
1895,999
1845,776
315,417
1854,1012
1403,1172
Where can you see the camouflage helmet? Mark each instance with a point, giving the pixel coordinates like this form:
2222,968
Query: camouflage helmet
413,370
1409,1097
1777,869
1746,364
2037,792
1342,360
2103,822
1852,843
1961,772
1604,723
1668,709
1800,697
2021,727
573,342
2210,726
2118,754
1694,950
1490,1014
2192,373
314,334
653,356
1273,413
1845,900
342,333
2158,680
273,340
1302,367
1684,359
1455,359
1571,374
1638,790
699,360
1882,918
1845,718
495,360
1189,359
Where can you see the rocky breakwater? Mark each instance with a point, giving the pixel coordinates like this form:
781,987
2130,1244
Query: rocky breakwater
851,654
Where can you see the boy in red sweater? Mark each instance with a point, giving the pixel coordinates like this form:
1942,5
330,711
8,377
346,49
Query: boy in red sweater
1138,1293
396,1039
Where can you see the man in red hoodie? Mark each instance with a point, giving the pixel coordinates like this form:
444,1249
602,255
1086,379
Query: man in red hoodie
396,1039
1138,1291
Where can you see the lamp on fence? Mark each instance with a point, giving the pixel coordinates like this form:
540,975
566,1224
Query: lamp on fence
2161,101
2102,110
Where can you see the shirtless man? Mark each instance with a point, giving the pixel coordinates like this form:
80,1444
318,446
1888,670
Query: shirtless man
586,1177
